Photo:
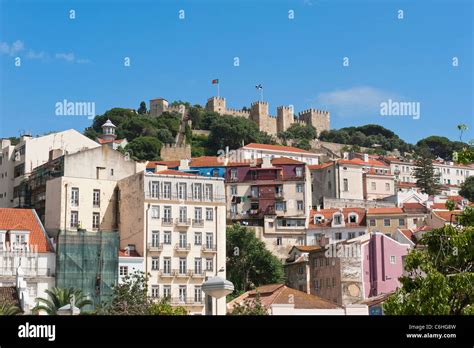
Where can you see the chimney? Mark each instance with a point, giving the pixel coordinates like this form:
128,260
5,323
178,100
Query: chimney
160,167
25,137
55,153
183,164
366,157
266,162
345,155
318,208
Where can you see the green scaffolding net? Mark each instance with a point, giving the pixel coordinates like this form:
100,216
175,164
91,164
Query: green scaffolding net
88,261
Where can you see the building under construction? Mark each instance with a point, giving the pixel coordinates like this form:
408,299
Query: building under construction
88,261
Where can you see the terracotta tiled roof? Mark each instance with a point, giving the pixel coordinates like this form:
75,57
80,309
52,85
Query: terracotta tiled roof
173,172
407,233
206,161
320,166
307,248
132,253
258,162
361,162
446,214
102,141
414,208
441,206
279,294
406,184
276,148
169,164
328,215
25,219
9,295
382,211
285,160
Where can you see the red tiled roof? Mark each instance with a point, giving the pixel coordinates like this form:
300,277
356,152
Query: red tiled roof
207,161
328,215
102,141
307,248
414,206
169,164
382,211
407,233
173,172
446,214
285,160
361,162
406,184
25,219
320,166
276,148
258,162
441,206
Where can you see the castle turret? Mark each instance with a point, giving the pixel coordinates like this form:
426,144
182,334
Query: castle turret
216,104
259,111
108,131
158,106
316,118
285,118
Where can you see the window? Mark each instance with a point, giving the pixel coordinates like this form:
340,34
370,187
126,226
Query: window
353,218
300,241
198,214
167,265
74,218
74,197
123,270
300,270
182,293
346,185
96,198
386,222
209,240
197,238
182,265
316,285
197,191
351,235
327,283
167,214
299,187
254,191
233,190
197,265
387,186
183,212
329,185
155,238
299,171
321,262
167,237
280,206
209,264
197,294
361,233
208,192
112,172
209,214
233,173
154,189
233,208
299,205
373,186
401,222
166,291
167,190
95,220
155,212
338,219
338,235
279,241
155,291
372,222
182,240
155,263
182,190
333,282
315,262
392,259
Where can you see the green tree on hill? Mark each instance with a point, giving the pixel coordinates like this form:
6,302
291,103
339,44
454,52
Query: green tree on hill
142,109
144,148
426,179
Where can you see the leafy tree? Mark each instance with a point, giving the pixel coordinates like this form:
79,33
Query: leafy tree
441,146
467,189
249,263
450,204
59,297
7,308
91,133
250,307
144,148
426,179
465,155
130,297
142,109
439,277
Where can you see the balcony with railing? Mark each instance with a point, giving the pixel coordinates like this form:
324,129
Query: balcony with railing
155,247
166,274
166,222
196,274
183,247
181,273
209,248
187,301
10,271
182,222
198,223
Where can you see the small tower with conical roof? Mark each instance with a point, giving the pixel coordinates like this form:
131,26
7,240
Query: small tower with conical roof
108,131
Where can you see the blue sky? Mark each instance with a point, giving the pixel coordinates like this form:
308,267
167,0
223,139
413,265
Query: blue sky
298,61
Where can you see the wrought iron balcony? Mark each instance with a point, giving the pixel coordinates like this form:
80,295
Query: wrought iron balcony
182,246
198,223
155,246
180,274
167,222
183,222
209,248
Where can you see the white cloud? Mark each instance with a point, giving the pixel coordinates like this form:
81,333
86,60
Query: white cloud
12,49
69,57
356,101
36,55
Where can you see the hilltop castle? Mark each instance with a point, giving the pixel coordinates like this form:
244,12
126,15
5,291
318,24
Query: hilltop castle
258,113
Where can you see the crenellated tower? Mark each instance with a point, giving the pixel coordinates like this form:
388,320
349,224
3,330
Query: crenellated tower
285,117
317,118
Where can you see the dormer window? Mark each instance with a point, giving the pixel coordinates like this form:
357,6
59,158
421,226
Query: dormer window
353,218
337,218
19,239
318,219
299,171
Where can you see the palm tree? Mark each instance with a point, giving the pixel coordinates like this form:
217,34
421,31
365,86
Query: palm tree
462,128
9,309
59,297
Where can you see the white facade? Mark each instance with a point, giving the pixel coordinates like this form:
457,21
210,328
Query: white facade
177,222
17,162
128,265
253,151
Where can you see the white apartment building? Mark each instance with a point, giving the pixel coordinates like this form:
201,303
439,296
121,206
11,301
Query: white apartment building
129,262
18,161
24,242
255,151
79,190
177,222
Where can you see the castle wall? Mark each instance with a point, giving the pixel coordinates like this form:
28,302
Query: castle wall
173,152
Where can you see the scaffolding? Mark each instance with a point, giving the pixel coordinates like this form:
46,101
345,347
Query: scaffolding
88,261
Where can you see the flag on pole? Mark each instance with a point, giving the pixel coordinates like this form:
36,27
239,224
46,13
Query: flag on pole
215,81
259,86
